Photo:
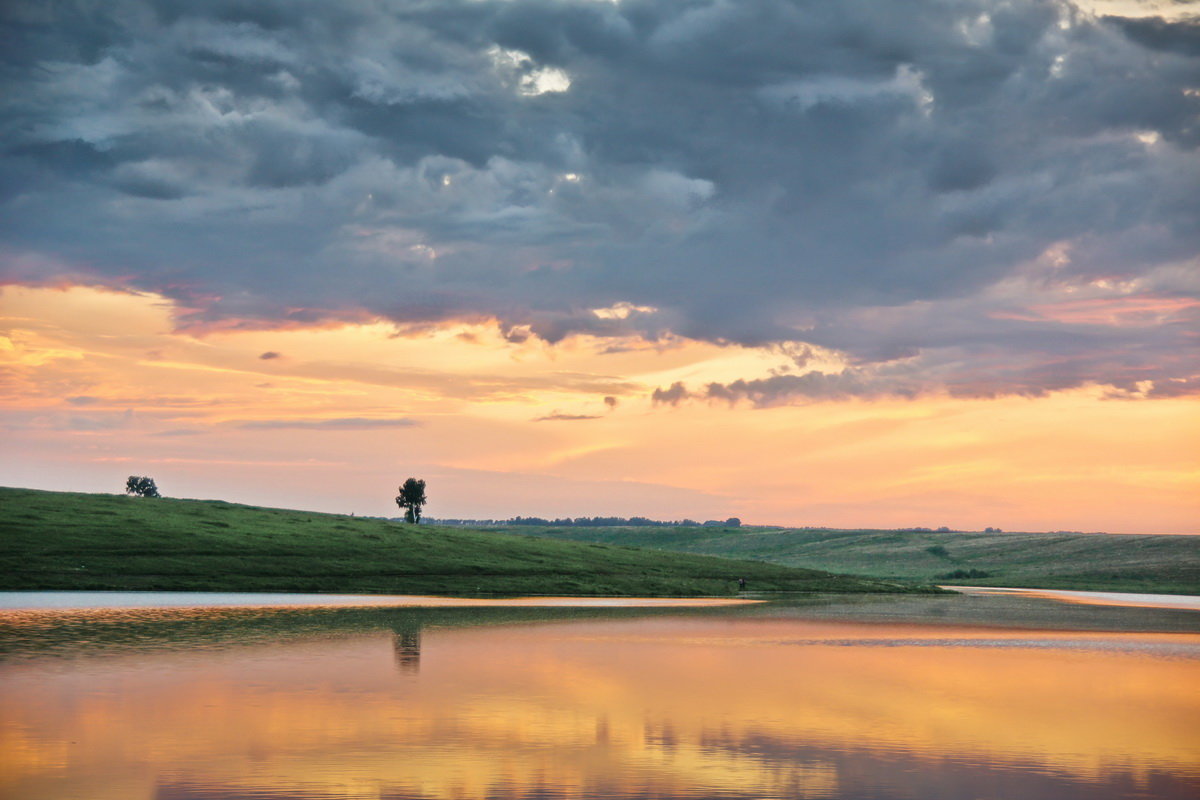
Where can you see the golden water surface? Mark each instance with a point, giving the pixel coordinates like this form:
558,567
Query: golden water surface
697,706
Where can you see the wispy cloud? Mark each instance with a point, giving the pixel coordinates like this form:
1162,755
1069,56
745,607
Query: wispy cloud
333,424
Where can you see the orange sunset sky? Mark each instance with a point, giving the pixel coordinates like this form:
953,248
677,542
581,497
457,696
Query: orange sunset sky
803,264
103,387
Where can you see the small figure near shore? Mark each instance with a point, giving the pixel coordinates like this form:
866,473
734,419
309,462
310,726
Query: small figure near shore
741,584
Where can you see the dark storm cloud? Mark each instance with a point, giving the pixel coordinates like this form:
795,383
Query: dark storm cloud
742,172
985,346
1158,34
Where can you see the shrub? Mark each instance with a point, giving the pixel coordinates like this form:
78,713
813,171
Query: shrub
965,573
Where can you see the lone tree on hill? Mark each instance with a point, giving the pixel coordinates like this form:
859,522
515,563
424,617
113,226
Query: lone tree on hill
411,498
141,486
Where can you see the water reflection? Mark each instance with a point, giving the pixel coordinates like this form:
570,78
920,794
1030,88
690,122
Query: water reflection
407,646
525,704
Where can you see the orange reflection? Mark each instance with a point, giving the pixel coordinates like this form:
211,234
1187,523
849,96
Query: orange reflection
1084,598
664,707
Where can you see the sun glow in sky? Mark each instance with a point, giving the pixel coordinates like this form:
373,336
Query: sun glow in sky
331,418
794,262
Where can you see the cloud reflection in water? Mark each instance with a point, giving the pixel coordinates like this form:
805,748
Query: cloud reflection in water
707,705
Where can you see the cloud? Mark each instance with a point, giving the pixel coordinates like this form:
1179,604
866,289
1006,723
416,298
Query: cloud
270,355
779,389
531,163
1140,345
337,423
1156,33
177,432
804,94
559,417
96,422
672,395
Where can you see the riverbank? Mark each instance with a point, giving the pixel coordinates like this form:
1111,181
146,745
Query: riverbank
113,601
75,541
1079,561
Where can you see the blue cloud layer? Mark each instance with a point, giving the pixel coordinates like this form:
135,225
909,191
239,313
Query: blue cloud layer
749,172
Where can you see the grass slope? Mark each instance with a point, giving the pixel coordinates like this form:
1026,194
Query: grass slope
1167,564
66,540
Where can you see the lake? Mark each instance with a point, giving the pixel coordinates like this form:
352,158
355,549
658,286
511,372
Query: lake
972,696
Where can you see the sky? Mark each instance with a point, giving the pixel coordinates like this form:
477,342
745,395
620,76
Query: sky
842,264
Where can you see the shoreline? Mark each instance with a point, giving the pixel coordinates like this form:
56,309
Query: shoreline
36,600
1184,602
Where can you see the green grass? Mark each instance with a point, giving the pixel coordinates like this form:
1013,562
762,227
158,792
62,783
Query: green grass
66,540
1130,563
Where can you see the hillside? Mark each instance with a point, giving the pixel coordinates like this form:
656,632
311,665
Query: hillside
66,540
1133,563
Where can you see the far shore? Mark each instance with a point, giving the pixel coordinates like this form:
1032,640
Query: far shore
1127,599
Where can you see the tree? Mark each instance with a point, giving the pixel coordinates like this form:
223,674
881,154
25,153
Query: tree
141,486
411,498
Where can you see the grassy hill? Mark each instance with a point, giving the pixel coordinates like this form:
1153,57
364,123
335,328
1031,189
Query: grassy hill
66,540
1167,564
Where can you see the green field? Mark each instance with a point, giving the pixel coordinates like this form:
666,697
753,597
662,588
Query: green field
66,540
1130,563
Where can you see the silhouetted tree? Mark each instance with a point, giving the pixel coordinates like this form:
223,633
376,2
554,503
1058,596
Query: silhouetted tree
141,486
411,498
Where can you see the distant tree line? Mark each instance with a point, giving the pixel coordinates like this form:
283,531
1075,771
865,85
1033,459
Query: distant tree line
590,522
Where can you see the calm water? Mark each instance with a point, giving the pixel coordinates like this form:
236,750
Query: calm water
923,698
